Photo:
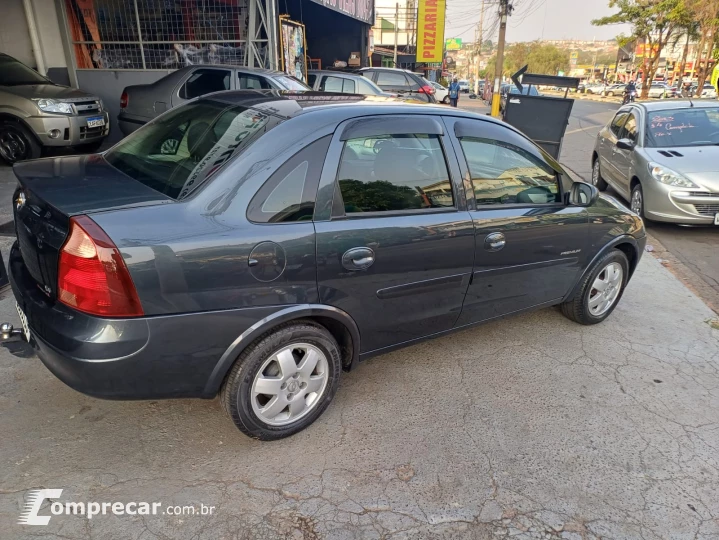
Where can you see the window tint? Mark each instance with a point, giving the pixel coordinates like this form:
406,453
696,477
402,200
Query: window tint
505,174
631,129
392,78
618,123
253,82
180,150
331,84
204,81
289,194
394,172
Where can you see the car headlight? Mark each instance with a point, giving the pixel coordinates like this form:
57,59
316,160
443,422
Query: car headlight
50,105
670,177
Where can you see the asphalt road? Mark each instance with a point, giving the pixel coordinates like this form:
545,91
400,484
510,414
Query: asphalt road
696,247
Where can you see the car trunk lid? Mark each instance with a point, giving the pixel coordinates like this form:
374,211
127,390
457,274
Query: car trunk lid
53,190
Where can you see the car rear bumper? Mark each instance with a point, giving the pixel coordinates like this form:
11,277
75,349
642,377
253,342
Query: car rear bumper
61,130
143,358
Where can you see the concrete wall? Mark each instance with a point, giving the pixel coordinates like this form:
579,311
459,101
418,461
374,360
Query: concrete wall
14,35
109,85
47,20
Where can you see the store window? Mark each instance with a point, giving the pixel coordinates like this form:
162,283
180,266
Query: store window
157,34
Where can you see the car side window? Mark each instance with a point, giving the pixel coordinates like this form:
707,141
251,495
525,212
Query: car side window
289,194
393,79
631,128
389,173
348,86
618,123
311,78
505,174
205,81
365,88
253,82
331,84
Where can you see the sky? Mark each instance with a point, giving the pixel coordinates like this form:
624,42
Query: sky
534,19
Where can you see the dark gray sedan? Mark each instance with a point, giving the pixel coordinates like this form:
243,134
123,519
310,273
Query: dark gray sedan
289,237
141,103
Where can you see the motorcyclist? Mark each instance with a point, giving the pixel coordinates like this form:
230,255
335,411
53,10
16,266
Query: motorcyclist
630,91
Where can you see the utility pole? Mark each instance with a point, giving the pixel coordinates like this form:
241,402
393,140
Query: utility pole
505,10
479,46
396,23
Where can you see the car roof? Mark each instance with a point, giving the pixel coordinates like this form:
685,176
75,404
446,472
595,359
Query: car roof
388,69
261,71
651,106
351,104
335,72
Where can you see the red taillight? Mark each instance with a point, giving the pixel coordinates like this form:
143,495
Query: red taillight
92,275
427,89
124,100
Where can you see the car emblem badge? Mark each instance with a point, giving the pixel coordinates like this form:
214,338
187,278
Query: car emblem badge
20,200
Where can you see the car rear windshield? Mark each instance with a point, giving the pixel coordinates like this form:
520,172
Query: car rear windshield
14,73
683,127
180,150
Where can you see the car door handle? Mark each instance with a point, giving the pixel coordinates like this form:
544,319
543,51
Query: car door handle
357,259
495,242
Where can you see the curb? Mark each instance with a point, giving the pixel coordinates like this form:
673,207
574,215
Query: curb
689,278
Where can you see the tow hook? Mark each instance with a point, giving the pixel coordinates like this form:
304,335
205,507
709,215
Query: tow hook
9,333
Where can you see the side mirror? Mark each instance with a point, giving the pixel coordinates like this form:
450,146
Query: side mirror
583,194
625,144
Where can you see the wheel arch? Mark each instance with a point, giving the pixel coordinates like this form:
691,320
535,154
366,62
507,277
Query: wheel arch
635,180
9,117
337,322
627,244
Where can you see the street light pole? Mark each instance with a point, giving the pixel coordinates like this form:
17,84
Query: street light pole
504,10
396,23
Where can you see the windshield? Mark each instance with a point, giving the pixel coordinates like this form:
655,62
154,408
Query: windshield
683,127
290,83
526,91
178,151
14,73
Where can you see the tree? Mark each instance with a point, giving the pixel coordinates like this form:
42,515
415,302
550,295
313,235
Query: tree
654,23
542,58
705,15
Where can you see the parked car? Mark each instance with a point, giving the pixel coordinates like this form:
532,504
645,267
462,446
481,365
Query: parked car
596,88
402,82
615,90
513,90
284,240
36,113
463,86
441,94
709,92
141,103
343,83
659,90
667,173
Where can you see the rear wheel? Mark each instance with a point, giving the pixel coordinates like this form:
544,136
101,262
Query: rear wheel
283,381
17,143
597,179
600,291
446,100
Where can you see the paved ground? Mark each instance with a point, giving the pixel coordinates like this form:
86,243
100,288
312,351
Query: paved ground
533,427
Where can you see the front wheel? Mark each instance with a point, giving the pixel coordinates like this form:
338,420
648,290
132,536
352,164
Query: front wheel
446,100
17,143
601,290
283,382
637,202
597,179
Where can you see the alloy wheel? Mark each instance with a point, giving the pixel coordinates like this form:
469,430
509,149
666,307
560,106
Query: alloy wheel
13,146
605,289
596,173
289,384
637,202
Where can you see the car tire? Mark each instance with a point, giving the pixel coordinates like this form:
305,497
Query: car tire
592,305
17,143
90,148
597,179
610,94
261,366
446,100
636,202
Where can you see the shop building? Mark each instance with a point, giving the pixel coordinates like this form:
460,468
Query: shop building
102,46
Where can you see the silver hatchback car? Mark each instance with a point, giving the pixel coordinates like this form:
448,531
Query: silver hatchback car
664,158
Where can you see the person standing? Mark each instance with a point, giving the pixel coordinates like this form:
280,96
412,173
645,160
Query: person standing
454,92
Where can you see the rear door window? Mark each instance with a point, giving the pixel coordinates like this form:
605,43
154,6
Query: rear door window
331,84
253,82
392,79
205,81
